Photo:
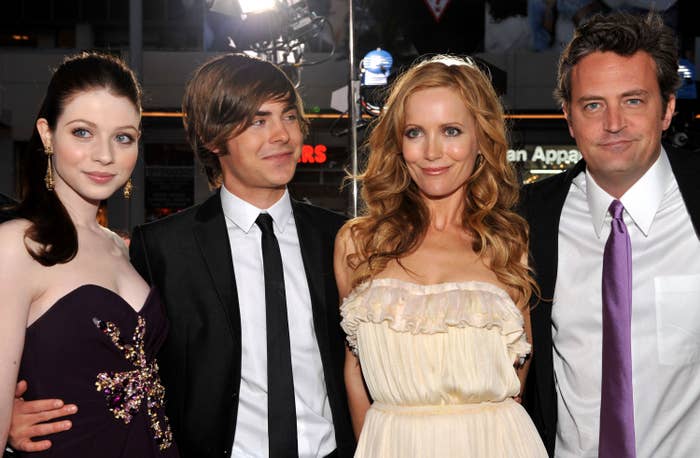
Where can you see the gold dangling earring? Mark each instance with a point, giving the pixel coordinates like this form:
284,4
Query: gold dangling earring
127,188
48,178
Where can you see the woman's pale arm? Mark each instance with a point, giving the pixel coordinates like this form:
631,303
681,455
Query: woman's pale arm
522,369
15,297
358,398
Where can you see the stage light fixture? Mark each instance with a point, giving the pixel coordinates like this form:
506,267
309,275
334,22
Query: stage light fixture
275,30
256,6
227,7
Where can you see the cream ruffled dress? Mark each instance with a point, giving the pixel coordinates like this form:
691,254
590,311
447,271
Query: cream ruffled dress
438,362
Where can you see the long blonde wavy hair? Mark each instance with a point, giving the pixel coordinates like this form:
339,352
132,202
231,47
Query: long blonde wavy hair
395,217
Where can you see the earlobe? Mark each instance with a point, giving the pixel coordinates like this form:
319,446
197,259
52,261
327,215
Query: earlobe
567,116
670,111
216,151
42,126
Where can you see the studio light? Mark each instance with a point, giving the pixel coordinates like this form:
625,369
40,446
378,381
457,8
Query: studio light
256,6
275,30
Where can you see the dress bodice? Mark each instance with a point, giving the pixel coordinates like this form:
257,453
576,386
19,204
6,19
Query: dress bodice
438,362
91,348
448,343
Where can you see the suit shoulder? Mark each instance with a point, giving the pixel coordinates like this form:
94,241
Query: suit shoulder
321,215
549,192
179,220
5,200
546,187
680,159
555,181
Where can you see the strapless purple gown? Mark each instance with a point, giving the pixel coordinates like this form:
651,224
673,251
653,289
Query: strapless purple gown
93,350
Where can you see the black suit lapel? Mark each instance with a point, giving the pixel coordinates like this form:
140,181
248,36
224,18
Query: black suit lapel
312,253
545,213
211,235
212,238
316,233
543,203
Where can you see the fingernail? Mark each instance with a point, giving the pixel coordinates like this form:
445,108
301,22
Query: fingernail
66,424
73,409
58,404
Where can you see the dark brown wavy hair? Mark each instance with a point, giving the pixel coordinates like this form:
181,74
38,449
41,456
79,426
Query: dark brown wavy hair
51,227
395,217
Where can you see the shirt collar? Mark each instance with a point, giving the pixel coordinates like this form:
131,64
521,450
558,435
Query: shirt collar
641,201
243,214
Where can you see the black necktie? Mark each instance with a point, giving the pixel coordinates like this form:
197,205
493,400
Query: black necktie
281,411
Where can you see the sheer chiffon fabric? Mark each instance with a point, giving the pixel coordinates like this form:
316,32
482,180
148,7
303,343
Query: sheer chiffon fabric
438,362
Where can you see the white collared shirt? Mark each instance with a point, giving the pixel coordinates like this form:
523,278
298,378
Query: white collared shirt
314,420
665,316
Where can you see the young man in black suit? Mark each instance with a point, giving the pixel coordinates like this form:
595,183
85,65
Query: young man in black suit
245,121
617,82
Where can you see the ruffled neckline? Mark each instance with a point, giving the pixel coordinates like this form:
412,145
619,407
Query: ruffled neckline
433,288
427,309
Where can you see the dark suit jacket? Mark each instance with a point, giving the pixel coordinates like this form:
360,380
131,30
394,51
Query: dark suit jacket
5,214
188,258
541,205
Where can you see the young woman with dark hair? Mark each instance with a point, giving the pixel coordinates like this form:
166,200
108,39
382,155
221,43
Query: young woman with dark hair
78,322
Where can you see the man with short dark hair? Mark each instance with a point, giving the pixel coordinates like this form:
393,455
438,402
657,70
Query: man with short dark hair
614,245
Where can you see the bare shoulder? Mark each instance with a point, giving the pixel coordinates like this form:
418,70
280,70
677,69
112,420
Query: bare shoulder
344,247
13,242
344,240
118,242
16,225
18,270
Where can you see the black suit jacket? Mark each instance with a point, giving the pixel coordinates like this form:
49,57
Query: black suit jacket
541,205
6,214
188,258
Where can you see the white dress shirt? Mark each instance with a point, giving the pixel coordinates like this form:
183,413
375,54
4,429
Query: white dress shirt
314,421
665,316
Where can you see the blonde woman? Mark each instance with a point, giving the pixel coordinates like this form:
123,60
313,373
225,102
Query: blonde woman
434,276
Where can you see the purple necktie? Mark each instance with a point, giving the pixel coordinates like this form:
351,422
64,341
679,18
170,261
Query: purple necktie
616,401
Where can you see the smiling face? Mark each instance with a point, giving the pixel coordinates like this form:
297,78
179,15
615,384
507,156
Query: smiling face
616,116
95,144
262,159
439,142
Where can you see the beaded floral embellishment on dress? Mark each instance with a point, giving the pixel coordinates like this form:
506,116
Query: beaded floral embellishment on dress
125,391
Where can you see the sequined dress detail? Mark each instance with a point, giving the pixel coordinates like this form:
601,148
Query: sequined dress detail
92,349
438,363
